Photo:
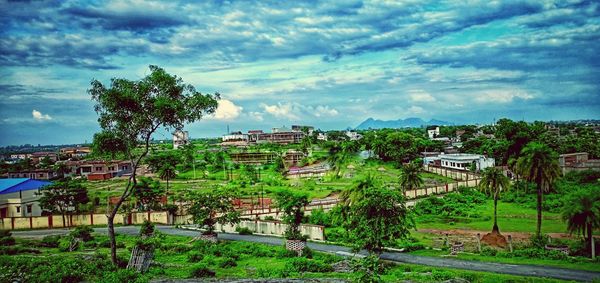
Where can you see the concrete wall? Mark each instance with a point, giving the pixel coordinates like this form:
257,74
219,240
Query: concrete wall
56,221
275,228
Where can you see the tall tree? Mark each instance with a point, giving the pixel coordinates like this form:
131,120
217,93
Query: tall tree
63,197
539,164
492,183
167,172
292,204
211,207
148,193
410,178
132,111
582,213
336,158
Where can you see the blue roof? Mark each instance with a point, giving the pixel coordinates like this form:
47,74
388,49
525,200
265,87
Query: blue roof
20,184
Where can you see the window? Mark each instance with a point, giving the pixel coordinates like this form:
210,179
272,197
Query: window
111,168
18,209
98,168
40,175
29,208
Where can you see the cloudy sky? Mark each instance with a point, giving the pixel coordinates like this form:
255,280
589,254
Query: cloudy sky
317,63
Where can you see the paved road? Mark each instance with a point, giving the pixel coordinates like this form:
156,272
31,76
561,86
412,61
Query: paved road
521,270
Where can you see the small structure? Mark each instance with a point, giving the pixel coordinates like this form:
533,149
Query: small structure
77,152
180,138
577,162
37,174
353,136
465,161
293,157
253,158
322,136
36,157
457,247
433,132
314,171
103,170
19,197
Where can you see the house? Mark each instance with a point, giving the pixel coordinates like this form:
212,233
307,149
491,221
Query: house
280,136
235,139
577,162
299,128
180,138
353,136
322,136
20,156
466,161
36,157
36,174
103,170
433,131
19,197
77,152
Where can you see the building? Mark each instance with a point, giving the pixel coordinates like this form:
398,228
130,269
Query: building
322,136
77,152
253,158
577,162
36,174
299,128
20,156
280,137
314,171
19,197
465,161
293,157
103,170
180,138
235,137
433,131
36,157
353,136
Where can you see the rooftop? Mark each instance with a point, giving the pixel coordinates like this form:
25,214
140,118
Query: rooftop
461,156
20,184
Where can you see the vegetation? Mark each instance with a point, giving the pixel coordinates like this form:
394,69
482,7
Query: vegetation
292,206
211,207
131,111
493,182
582,213
64,197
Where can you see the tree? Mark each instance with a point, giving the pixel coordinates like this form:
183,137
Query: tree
46,162
61,168
188,155
538,164
492,183
377,219
63,197
292,204
336,158
356,192
132,111
167,172
582,212
410,178
148,193
211,207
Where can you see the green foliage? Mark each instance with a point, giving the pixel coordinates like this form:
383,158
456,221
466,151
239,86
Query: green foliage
82,232
410,178
243,230
148,192
368,269
582,212
123,275
211,207
302,264
6,238
50,241
62,195
291,205
459,203
320,217
195,257
227,263
147,229
201,271
378,219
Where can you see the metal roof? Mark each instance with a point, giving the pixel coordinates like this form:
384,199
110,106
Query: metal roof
20,184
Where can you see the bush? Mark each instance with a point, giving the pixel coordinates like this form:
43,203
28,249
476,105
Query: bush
487,251
147,228
7,241
195,257
227,263
201,271
440,275
82,232
283,253
320,217
301,264
538,242
243,230
50,241
123,275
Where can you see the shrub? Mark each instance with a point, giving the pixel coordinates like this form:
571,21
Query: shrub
227,263
538,242
487,251
195,257
201,271
82,232
320,217
440,275
243,230
147,228
301,264
123,275
283,253
50,241
7,241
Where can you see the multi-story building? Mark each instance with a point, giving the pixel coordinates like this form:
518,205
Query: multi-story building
180,138
36,157
77,152
577,162
103,170
464,161
19,197
37,174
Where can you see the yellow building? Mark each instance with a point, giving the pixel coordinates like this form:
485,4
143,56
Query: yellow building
19,197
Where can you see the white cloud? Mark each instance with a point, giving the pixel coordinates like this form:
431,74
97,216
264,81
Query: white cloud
258,116
321,111
280,110
502,96
415,110
419,95
227,110
38,116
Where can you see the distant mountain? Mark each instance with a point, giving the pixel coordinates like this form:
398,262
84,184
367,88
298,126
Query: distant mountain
400,123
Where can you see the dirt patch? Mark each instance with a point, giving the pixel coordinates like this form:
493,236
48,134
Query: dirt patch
516,236
494,239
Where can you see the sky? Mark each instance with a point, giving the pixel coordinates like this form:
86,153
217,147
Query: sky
330,64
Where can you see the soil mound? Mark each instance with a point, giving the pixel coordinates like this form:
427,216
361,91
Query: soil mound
495,239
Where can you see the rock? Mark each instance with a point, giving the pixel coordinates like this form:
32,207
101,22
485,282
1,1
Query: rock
342,266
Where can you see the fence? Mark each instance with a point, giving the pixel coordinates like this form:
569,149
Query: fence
56,221
275,228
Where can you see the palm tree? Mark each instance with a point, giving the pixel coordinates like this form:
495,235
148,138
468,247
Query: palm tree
582,213
337,157
492,183
538,163
167,172
410,178
355,193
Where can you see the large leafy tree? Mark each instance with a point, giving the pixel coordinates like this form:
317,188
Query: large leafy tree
582,212
148,193
211,207
377,219
410,177
492,183
336,158
132,111
539,164
63,197
291,205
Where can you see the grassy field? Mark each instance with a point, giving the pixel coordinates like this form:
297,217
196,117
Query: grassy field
179,257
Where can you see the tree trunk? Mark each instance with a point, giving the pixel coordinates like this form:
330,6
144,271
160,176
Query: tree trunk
111,236
495,228
538,230
64,221
589,237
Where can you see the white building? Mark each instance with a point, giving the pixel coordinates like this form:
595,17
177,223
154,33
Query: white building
19,197
235,137
354,136
322,136
433,132
464,161
180,138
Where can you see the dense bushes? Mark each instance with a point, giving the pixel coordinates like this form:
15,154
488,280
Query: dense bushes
459,203
201,270
301,264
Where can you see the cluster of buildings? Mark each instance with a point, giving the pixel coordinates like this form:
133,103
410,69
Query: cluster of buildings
281,135
577,162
